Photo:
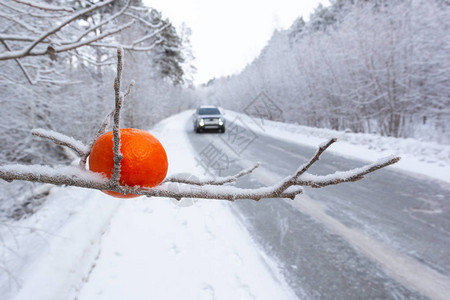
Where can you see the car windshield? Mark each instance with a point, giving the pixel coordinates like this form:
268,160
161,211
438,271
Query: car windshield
208,111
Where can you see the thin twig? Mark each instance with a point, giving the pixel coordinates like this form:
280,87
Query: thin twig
211,181
125,7
61,139
118,97
19,63
128,92
27,50
71,46
45,7
102,129
341,177
315,158
128,47
303,168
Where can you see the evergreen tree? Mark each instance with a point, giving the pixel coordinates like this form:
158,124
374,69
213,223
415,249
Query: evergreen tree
167,55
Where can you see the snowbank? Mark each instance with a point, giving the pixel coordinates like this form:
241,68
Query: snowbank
47,255
423,158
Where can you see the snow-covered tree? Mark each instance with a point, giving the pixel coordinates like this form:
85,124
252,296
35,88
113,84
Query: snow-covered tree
368,66
56,67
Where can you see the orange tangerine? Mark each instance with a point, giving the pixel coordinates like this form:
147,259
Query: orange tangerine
144,160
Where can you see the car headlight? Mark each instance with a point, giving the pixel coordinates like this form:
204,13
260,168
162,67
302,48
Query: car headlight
201,123
220,122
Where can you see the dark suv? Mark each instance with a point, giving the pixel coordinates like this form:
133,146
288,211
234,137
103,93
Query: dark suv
208,117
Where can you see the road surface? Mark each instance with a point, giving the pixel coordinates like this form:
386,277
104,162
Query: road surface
385,237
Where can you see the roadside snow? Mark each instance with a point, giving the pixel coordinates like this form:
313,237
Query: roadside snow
423,158
46,255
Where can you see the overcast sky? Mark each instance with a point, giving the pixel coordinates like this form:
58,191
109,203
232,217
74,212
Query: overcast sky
227,35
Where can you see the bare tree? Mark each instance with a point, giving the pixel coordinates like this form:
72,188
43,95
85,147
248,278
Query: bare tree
199,188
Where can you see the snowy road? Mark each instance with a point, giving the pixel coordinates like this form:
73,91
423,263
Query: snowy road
386,237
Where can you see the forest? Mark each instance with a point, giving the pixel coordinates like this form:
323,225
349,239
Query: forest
378,67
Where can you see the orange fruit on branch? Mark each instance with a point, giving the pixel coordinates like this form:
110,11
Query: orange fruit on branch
144,160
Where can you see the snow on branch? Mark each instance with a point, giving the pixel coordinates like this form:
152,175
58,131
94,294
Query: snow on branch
62,140
27,50
43,6
118,95
93,28
210,181
67,32
175,186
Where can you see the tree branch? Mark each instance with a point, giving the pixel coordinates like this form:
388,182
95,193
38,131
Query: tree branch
19,63
348,176
44,7
86,42
210,181
116,126
174,186
82,178
303,168
61,140
125,7
101,131
27,50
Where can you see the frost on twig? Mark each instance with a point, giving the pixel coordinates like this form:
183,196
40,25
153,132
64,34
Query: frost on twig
177,187
45,6
116,126
62,140
210,181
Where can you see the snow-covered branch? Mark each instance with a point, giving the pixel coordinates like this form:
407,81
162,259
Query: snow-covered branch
116,126
210,181
106,21
190,189
27,50
43,6
90,41
131,47
174,186
62,140
68,32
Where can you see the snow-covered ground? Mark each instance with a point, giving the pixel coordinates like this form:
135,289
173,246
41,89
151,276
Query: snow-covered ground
84,244
422,158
